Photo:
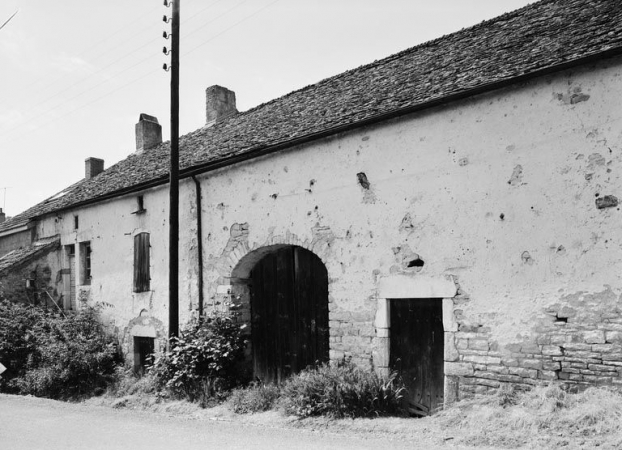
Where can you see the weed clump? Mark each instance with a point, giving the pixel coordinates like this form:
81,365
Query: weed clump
254,398
344,390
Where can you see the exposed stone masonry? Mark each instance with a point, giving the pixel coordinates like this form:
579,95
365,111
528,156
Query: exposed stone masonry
578,341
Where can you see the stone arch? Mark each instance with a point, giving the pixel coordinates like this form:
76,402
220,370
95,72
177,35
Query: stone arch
282,290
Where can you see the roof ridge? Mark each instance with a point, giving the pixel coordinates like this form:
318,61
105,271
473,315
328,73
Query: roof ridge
401,53
475,58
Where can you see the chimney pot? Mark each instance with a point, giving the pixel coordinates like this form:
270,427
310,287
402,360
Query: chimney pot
148,133
219,104
93,167
2,216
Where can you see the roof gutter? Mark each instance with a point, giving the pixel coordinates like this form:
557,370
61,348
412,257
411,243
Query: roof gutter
263,150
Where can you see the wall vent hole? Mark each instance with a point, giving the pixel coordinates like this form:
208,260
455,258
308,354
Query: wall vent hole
561,320
417,262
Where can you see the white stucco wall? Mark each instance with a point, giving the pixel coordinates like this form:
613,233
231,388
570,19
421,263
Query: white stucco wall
496,193
110,227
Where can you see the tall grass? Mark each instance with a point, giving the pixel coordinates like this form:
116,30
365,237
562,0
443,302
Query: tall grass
254,398
545,416
342,391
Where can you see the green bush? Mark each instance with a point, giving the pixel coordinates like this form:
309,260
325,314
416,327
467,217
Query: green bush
254,398
342,391
55,355
18,342
203,362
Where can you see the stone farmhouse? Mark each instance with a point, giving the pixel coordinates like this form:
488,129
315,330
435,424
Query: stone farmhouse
449,212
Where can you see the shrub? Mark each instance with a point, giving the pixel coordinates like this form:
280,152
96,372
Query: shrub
58,356
17,340
203,361
342,391
254,398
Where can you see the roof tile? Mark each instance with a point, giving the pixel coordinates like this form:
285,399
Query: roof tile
539,36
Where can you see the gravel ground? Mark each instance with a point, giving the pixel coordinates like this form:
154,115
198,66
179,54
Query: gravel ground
33,423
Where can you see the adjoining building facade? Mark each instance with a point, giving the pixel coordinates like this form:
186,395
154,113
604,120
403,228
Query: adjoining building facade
450,212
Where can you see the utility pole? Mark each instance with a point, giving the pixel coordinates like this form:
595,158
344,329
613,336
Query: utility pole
173,307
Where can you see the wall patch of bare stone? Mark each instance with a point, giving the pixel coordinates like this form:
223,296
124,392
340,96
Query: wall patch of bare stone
577,340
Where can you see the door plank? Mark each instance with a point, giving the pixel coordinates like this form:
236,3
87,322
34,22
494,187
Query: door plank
417,350
289,313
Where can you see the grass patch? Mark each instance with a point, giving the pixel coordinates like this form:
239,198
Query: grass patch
545,417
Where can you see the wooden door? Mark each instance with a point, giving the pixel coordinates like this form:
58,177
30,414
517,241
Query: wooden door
144,347
417,350
289,313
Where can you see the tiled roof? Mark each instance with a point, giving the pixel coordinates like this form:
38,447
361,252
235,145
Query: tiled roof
22,255
529,41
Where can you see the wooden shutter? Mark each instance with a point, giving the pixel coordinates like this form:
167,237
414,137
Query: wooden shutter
141,262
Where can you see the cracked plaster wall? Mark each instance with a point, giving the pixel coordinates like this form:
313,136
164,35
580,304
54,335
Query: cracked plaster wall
499,191
110,227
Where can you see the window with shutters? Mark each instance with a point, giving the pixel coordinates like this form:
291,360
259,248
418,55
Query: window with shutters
141,262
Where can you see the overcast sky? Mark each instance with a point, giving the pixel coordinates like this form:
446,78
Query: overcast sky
76,74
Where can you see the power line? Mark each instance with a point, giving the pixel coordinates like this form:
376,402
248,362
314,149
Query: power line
9,19
151,72
88,49
214,19
106,51
229,28
58,105
80,94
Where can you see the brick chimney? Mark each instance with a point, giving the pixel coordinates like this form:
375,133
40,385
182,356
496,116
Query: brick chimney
93,167
2,216
219,104
148,133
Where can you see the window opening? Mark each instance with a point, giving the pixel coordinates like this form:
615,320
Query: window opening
75,222
142,276
143,348
140,203
85,262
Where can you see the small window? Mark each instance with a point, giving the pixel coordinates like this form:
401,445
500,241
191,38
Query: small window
142,276
85,262
140,205
76,222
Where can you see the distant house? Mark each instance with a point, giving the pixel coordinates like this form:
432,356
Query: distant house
449,212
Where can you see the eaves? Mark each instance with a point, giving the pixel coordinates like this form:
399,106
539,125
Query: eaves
263,150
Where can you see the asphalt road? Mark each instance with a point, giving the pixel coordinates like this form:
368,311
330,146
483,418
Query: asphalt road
28,423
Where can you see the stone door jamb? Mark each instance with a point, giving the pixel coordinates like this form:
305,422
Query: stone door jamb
404,287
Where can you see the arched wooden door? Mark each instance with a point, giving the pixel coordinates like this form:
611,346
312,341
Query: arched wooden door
289,311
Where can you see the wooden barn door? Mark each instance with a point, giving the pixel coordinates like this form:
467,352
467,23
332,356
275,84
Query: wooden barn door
417,350
289,311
